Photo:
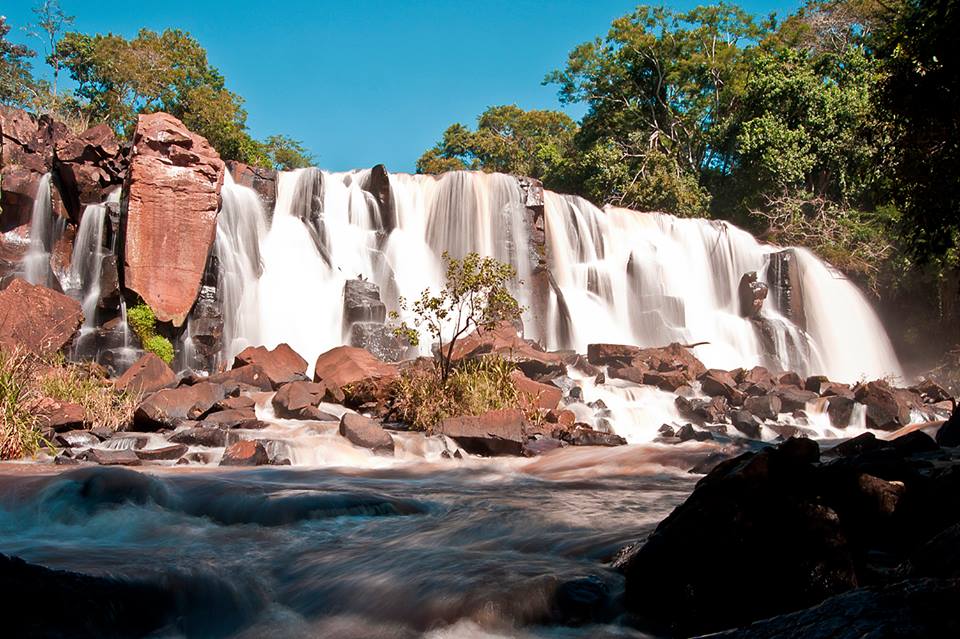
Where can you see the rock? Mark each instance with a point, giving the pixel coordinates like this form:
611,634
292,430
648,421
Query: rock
715,382
668,380
200,436
498,432
148,375
786,286
245,453
263,182
76,439
173,197
583,435
790,379
756,381
931,393
281,365
164,453
949,433
377,183
354,376
751,294
581,601
504,341
793,398
713,411
759,505
745,422
666,430
37,319
857,445
912,608
366,433
361,303
688,432
240,402
914,443
887,408
380,340
300,400
250,376
840,410
197,457
764,407
111,457
674,357
87,167
541,446
545,396
61,416
230,418
165,408
26,153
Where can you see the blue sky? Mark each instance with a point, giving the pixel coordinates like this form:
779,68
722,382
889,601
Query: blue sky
365,82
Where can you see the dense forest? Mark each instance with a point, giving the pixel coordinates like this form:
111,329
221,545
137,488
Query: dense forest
837,128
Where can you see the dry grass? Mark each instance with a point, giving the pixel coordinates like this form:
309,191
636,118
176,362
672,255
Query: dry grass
26,380
422,400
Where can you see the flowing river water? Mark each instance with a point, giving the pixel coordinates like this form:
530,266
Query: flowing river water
452,548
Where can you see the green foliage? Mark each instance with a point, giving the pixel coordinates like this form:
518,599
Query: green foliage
17,87
508,140
19,427
285,153
143,322
475,297
423,399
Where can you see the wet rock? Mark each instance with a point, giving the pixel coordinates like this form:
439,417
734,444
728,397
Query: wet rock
887,408
764,407
914,443
196,457
200,436
667,380
76,439
674,357
250,376
711,411
361,303
786,286
230,418
263,181
240,402
541,445
583,600
380,340
36,318
545,396
755,381
949,433
173,196
164,453
280,365
715,382
688,432
503,340
931,393
165,408
666,430
857,445
840,410
87,167
745,422
245,453
148,375
790,379
300,400
366,433
751,294
583,435
793,398
110,457
499,432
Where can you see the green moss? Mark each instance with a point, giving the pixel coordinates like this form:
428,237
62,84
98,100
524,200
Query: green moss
143,322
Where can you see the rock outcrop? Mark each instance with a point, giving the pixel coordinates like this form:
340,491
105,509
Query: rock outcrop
173,190
37,319
281,365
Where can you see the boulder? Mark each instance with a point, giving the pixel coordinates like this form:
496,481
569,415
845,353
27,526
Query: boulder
37,319
675,357
240,402
88,166
76,439
498,432
888,408
756,381
200,436
26,154
250,376
165,408
504,340
793,398
361,303
364,432
245,453
164,453
300,400
582,435
545,396
786,286
840,410
61,416
755,505
354,376
764,407
147,375
173,197
237,418
949,433
745,422
666,380
380,340
715,382
751,293
103,457
281,365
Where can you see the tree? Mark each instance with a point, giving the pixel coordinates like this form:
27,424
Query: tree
51,22
475,296
286,154
17,87
919,100
507,140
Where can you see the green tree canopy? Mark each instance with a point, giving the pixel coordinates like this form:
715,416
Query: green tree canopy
17,87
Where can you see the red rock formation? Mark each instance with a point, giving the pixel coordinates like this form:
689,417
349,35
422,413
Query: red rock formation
173,188
87,167
281,365
148,375
37,318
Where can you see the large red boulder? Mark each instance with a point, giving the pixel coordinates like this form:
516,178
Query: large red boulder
364,432
168,407
147,375
497,432
301,400
634,363
281,365
354,376
503,340
173,188
534,393
36,318
888,408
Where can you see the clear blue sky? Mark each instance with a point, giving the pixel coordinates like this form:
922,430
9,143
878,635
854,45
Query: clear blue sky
364,82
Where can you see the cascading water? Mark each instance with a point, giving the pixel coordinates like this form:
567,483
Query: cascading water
36,263
86,263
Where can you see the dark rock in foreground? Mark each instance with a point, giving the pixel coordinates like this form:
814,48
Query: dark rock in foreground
366,433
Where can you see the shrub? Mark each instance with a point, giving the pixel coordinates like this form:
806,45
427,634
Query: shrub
422,398
144,324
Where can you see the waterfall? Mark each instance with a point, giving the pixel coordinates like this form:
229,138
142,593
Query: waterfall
617,275
86,262
36,263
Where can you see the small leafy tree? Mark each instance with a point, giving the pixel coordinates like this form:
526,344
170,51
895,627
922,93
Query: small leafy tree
475,296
